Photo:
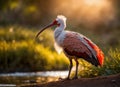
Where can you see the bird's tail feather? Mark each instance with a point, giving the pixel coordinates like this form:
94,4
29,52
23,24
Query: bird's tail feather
93,61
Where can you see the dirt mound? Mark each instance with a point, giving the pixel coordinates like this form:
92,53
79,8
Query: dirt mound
103,81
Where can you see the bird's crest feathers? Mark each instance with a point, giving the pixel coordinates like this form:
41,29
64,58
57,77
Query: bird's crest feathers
61,17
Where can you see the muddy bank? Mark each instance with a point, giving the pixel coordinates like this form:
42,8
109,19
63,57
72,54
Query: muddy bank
103,81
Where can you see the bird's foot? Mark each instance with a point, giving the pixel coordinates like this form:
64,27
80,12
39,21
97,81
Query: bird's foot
64,79
75,78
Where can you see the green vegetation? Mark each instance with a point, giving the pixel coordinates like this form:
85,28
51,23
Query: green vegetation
19,51
111,66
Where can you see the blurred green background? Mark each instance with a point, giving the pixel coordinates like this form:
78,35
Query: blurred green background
20,20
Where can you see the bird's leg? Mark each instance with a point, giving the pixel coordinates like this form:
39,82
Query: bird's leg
71,65
77,63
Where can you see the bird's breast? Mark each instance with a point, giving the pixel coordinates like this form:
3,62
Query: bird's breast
60,38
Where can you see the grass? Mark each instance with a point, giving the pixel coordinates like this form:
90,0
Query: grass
111,65
20,51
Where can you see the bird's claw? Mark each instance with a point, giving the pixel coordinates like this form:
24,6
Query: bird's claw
64,79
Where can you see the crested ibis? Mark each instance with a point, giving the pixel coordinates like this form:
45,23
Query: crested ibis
75,45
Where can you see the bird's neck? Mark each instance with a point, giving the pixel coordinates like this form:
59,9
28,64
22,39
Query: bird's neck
59,30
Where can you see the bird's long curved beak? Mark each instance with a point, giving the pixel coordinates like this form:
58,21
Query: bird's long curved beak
50,25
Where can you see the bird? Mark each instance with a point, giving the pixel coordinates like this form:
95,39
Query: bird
74,45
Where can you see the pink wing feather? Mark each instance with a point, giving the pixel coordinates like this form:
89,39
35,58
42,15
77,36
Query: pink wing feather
75,47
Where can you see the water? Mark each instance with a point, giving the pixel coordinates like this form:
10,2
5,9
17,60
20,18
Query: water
43,74
7,85
25,78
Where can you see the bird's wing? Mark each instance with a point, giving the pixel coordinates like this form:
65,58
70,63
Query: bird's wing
77,45
96,51
74,46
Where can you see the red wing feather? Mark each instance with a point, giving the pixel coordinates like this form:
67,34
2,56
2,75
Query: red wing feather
100,54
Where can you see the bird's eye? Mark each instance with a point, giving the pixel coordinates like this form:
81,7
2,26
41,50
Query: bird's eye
56,23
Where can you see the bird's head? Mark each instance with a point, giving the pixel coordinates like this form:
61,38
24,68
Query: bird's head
59,21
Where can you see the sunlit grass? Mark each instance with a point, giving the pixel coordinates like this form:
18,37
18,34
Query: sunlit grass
20,51
29,56
111,66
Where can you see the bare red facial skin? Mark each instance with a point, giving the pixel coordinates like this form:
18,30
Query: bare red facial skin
56,23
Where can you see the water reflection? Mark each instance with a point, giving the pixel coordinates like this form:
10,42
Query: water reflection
19,78
43,74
